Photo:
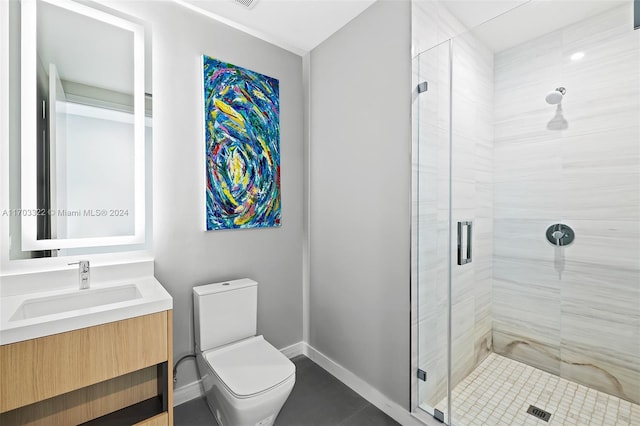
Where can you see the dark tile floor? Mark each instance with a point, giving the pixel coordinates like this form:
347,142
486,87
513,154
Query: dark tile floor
317,399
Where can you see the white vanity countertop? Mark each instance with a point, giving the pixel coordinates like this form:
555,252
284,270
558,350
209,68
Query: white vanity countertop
150,298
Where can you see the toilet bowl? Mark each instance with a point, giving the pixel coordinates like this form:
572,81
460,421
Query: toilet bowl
246,380
246,383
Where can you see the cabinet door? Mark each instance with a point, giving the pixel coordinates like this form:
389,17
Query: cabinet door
38,369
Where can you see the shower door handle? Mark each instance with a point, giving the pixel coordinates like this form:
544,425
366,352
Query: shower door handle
464,242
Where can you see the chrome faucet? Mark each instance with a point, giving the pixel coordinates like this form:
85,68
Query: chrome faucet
83,273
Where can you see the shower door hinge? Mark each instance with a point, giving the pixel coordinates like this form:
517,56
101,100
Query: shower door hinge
422,375
423,87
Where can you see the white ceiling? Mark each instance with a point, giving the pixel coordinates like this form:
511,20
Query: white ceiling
301,25
298,26
472,13
295,25
528,19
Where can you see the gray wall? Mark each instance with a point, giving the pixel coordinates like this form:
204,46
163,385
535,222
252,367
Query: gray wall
186,255
360,198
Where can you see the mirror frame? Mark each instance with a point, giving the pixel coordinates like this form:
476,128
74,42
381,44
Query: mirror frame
28,143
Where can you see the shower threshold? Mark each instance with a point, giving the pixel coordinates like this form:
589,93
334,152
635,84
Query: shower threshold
500,391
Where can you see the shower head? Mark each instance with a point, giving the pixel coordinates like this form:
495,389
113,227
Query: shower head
555,97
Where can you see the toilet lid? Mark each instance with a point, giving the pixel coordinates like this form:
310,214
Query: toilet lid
251,366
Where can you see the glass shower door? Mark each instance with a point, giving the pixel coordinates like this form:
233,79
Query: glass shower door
433,229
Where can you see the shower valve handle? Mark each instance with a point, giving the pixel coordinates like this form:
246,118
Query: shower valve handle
560,234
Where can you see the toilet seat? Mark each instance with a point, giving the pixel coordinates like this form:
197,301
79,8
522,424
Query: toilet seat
249,367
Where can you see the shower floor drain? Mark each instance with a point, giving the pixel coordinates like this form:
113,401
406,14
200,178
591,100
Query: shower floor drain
539,413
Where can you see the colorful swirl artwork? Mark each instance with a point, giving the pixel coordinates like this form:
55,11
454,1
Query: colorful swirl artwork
242,130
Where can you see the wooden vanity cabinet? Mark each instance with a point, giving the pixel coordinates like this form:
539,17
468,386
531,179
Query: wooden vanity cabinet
114,373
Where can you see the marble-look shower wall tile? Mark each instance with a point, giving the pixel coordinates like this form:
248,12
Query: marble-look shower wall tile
462,337
431,25
424,27
538,157
521,240
472,180
573,310
604,302
611,245
601,373
582,286
432,349
520,308
602,152
532,199
591,32
605,187
511,344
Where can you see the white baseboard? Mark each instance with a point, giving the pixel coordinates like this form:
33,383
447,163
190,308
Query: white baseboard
426,419
365,390
187,392
294,350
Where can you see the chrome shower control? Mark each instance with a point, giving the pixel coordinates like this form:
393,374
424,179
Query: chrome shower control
560,234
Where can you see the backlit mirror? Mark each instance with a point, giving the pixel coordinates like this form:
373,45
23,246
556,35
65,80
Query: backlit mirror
82,127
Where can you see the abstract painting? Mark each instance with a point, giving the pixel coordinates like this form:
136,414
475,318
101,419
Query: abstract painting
242,131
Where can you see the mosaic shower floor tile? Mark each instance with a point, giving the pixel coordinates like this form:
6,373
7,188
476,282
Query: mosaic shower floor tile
500,391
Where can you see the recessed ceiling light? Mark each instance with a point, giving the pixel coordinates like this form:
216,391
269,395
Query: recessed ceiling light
249,4
577,56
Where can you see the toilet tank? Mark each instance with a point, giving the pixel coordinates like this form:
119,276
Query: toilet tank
224,312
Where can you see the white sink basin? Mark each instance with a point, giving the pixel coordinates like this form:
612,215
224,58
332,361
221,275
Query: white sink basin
33,315
40,306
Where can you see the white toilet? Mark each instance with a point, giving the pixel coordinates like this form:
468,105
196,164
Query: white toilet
246,380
